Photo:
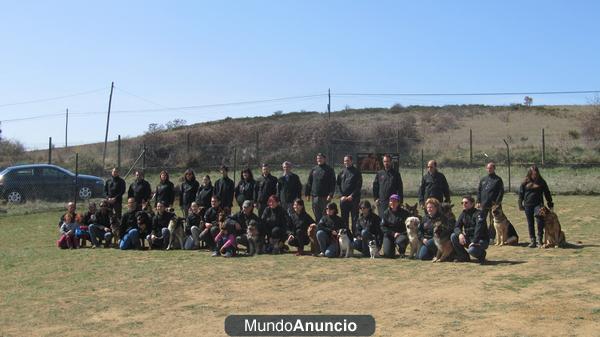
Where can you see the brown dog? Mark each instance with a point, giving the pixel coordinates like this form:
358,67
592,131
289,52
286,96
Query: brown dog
446,209
413,210
501,225
553,234
441,238
312,235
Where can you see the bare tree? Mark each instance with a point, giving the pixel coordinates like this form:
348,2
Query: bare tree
527,101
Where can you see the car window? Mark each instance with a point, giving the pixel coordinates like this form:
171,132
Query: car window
24,172
49,172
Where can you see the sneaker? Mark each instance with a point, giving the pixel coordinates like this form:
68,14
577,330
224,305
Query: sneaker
214,254
321,255
228,254
532,244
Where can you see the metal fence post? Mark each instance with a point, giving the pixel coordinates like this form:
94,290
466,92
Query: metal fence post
508,161
543,147
49,150
76,179
119,153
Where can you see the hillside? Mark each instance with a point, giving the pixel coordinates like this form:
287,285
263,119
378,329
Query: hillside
441,132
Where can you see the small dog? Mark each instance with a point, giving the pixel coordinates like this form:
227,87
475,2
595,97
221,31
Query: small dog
501,225
441,238
553,234
176,232
115,225
412,225
373,249
253,236
345,243
312,235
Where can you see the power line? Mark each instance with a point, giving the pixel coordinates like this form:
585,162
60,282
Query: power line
474,94
52,98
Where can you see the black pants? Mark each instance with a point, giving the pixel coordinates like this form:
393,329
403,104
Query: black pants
350,209
390,243
300,238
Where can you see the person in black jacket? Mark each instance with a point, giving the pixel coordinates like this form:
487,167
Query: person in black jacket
387,182
240,222
299,223
113,191
159,237
100,226
266,186
394,229
211,225
320,186
128,229
194,225
434,185
187,191
367,229
224,188
327,231
140,190
165,191
469,233
531,198
425,232
490,191
205,193
289,187
275,224
349,181
245,188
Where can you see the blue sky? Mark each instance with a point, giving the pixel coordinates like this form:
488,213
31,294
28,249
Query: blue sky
179,53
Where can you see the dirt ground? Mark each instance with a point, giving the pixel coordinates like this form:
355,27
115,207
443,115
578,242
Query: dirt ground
520,292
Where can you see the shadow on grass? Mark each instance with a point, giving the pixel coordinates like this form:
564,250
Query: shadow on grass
502,262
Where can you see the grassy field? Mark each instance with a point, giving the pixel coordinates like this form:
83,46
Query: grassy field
520,292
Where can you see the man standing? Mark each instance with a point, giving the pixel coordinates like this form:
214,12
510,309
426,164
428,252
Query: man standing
490,191
469,233
289,187
139,190
433,185
113,191
349,182
320,186
387,182
224,188
266,186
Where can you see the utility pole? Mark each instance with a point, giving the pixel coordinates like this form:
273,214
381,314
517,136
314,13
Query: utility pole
329,104
112,86
66,126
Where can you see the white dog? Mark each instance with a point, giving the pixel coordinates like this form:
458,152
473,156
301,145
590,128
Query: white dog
373,249
345,243
412,226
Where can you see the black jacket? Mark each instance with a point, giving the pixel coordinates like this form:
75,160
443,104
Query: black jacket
128,222
187,193
114,188
139,190
532,194
330,223
212,215
321,181
275,217
349,181
467,225
244,220
244,191
434,186
491,190
387,183
204,195
165,193
289,188
425,230
265,187
224,189
371,223
193,220
300,222
393,221
103,218
160,221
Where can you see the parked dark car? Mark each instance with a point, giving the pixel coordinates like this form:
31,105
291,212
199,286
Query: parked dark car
46,182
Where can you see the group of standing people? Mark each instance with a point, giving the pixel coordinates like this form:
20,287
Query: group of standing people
282,219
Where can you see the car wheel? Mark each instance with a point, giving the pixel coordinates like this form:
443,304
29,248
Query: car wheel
85,193
15,197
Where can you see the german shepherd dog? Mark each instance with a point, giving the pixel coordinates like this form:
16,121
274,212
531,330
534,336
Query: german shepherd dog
501,224
312,236
446,210
413,210
176,232
412,225
441,238
115,225
553,234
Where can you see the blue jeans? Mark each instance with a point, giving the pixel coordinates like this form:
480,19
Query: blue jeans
326,244
363,244
462,254
530,212
131,240
97,235
427,251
